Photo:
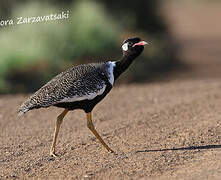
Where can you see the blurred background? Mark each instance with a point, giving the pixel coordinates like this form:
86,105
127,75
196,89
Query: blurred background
180,33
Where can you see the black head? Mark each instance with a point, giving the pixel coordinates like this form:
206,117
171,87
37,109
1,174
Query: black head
133,46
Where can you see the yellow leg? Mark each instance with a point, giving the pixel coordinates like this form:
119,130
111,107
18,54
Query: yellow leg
90,125
57,127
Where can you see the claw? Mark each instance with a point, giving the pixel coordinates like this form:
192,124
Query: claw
53,154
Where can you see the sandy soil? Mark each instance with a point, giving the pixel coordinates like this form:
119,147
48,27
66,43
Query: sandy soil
167,130
160,131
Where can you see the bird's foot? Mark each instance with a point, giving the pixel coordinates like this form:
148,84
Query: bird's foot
53,154
110,150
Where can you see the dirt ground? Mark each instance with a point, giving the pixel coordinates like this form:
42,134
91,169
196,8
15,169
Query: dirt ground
167,130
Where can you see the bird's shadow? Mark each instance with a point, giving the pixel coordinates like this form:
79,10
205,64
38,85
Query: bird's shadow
181,148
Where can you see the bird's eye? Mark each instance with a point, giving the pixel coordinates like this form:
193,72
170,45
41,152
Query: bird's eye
130,44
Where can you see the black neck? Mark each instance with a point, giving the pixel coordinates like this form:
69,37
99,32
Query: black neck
123,64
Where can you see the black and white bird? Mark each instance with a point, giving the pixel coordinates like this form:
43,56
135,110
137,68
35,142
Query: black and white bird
82,87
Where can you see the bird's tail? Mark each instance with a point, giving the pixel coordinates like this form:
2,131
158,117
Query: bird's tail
25,107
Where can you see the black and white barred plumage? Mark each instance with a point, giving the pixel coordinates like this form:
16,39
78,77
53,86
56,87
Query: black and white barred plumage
83,82
83,86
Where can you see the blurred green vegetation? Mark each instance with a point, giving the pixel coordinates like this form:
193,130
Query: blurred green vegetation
31,54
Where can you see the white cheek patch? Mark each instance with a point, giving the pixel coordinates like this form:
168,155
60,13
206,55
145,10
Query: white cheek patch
125,46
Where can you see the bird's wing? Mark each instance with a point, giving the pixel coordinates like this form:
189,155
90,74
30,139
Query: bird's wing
75,84
88,85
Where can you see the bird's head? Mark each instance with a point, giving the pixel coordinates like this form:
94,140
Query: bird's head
133,46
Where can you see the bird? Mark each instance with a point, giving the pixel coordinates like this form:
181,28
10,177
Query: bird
83,87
